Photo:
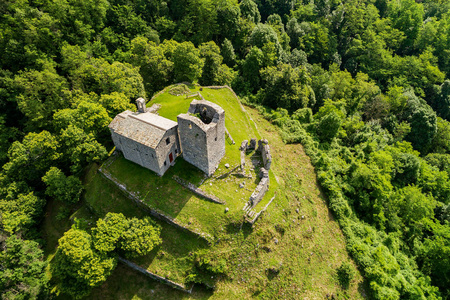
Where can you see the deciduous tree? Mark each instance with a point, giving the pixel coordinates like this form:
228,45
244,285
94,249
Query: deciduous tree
66,189
23,273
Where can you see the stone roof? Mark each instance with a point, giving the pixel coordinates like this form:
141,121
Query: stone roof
145,128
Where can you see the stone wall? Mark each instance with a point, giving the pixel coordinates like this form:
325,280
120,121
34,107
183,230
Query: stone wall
218,87
225,175
261,189
157,214
156,159
252,145
154,108
229,136
264,149
163,149
197,191
261,212
203,142
137,153
154,276
243,150
193,140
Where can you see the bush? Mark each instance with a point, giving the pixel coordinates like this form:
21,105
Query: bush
304,115
180,89
345,274
208,264
328,126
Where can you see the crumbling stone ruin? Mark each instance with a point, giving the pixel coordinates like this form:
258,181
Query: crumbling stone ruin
252,145
243,149
197,94
261,189
154,142
263,148
263,185
203,138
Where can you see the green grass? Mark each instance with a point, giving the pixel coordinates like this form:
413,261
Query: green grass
126,284
168,197
296,235
173,258
236,120
53,228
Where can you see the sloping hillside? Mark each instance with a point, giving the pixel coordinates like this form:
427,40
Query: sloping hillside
292,251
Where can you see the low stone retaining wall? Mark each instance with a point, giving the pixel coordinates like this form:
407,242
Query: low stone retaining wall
150,211
262,210
218,87
166,88
154,108
229,136
196,94
224,175
261,189
197,191
263,185
156,277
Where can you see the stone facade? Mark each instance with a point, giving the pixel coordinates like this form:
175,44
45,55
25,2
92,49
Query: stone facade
146,139
203,138
154,142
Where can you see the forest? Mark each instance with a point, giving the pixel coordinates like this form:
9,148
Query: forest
361,84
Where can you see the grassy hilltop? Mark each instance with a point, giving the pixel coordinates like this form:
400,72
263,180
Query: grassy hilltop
292,251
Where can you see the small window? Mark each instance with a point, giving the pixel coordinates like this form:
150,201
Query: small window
168,141
165,163
176,151
215,139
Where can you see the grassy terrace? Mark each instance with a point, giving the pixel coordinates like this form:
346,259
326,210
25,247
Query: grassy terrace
297,235
174,259
167,196
171,259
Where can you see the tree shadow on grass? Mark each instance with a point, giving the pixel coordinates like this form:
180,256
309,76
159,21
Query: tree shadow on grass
236,227
125,283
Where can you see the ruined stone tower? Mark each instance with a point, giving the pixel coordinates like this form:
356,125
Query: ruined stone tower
202,135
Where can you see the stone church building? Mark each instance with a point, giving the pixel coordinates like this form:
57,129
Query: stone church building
155,142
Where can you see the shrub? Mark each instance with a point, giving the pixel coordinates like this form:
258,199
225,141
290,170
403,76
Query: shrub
345,274
180,89
304,115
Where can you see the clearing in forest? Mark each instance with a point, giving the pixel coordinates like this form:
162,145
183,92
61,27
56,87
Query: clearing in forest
291,252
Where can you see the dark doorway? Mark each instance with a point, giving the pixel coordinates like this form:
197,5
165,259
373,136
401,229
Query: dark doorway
171,157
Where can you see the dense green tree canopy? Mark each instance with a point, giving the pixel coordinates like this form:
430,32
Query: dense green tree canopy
84,261
187,62
61,187
77,266
29,159
362,84
23,269
20,212
133,236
